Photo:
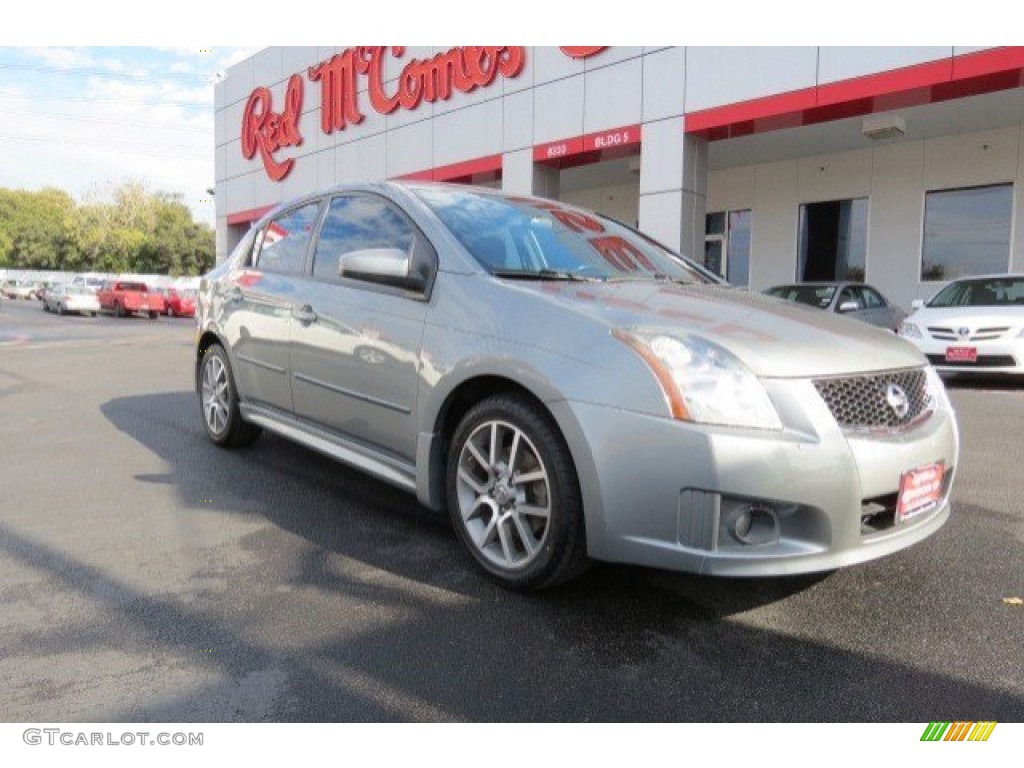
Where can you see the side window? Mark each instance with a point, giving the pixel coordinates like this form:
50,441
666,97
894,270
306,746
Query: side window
356,223
285,240
850,294
872,298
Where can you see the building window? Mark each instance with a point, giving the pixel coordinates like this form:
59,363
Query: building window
833,240
727,245
966,232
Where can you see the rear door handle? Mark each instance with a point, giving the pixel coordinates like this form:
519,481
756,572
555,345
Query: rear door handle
304,314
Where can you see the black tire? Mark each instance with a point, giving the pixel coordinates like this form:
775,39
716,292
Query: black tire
153,314
118,310
556,550
226,428
60,309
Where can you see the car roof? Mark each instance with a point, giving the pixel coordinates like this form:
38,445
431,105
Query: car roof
816,284
387,188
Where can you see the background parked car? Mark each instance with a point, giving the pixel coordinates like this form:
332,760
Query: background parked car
125,297
858,300
973,325
17,289
88,281
179,303
71,298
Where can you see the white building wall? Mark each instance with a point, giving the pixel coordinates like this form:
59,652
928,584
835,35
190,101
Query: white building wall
844,62
556,97
893,177
618,201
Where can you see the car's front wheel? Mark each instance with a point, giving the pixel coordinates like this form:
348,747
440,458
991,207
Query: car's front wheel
514,496
218,400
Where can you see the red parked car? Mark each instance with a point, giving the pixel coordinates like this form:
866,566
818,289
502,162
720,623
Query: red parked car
179,303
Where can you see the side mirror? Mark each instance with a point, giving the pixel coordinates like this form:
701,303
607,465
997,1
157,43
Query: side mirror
917,304
848,306
388,266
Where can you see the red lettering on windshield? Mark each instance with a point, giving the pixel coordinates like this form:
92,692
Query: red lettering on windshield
622,255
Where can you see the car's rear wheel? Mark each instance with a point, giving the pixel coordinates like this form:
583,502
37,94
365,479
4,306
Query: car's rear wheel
118,310
60,309
218,400
514,496
152,314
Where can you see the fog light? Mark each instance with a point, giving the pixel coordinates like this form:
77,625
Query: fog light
756,524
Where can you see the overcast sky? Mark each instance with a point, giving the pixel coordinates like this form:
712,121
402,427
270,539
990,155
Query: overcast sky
90,118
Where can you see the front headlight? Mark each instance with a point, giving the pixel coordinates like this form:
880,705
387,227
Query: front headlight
702,381
937,390
909,331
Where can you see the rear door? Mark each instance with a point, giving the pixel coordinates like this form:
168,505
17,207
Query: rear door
883,314
355,346
258,301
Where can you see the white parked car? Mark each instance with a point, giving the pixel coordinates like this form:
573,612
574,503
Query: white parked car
973,325
71,298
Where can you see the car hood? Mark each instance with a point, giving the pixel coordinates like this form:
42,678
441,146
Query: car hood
774,338
973,317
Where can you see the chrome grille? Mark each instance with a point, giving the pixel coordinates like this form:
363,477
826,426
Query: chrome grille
861,402
953,334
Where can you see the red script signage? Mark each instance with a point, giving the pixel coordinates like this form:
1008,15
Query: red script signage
267,131
435,79
462,69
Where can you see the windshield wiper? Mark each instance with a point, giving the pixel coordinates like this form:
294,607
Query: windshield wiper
660,277
544,274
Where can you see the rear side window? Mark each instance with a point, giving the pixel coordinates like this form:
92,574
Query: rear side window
286,239
356,223
872,299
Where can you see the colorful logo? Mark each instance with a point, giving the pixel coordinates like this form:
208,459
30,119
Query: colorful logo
959,731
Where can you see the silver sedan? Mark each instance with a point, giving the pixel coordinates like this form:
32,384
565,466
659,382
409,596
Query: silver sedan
855,300
64,299
570,390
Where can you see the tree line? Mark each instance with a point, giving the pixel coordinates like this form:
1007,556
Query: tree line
130,230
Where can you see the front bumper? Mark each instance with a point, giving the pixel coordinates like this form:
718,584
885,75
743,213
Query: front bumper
997,356
666,493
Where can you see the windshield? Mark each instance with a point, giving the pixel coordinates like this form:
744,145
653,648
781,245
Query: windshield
528,237
813,295
983,292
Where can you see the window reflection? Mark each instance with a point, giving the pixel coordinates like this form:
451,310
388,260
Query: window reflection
966,232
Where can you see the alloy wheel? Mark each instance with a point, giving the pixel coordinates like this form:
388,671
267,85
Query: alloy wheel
216,402
504,494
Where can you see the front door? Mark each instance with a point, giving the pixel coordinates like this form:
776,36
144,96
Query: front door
355,349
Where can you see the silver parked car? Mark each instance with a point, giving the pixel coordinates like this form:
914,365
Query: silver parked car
856,300
63,299
569,389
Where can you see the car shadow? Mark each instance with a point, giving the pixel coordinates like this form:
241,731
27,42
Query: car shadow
618,644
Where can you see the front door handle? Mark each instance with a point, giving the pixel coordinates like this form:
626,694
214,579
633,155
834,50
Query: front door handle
304,314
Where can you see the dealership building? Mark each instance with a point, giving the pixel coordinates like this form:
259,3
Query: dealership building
898,166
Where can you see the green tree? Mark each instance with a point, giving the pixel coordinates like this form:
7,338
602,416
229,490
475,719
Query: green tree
127,229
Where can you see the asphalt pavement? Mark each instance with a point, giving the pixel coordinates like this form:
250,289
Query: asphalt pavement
146,575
